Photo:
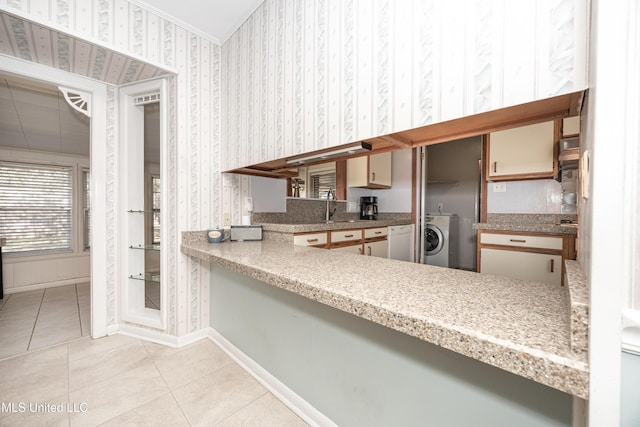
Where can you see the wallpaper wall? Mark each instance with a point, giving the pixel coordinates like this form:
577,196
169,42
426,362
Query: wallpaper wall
300,75
194,134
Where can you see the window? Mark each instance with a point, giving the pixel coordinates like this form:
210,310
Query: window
86,209
36,208
321,179
155,205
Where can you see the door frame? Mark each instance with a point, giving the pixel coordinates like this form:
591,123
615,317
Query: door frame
100,236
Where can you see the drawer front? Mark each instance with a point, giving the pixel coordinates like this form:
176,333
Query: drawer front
521,240
370,233
345,235
310,239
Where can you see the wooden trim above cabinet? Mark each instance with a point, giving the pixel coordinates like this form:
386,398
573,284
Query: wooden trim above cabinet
485,185
341,180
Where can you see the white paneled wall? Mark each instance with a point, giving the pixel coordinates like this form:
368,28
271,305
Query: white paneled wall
194,134
300,75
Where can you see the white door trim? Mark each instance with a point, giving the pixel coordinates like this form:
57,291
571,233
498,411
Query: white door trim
99,235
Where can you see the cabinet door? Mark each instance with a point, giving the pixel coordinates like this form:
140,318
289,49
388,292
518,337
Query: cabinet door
378,248
522,265
527,150
380,169
357,170
353,249
372,171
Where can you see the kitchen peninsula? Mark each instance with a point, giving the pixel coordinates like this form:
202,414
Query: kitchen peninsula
521,327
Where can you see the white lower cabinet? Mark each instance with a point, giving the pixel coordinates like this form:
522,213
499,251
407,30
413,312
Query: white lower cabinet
378,248
353,249
368,241
537,267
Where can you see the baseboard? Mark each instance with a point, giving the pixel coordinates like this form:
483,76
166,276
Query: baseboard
160,337
296,403
39,286
113,329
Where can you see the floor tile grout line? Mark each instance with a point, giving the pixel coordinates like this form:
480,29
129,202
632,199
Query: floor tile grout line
184,414
266,392
4,300
68,381
36,320
155,365
169,391
78,305
106,379
102,351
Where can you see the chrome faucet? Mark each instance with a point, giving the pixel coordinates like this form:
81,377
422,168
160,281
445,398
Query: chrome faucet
328,213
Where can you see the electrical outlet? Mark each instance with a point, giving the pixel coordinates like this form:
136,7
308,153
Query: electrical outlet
226,219
499,187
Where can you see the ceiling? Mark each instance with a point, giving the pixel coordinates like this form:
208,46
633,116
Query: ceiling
32,42
35,116
218,19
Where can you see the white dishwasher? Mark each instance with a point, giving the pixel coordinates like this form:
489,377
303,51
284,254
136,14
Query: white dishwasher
401,240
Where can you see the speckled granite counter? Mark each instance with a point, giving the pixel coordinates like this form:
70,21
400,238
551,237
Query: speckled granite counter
532,223
579,306
521,327
338,225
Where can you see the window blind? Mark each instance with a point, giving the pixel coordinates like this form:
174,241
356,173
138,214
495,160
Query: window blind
35,208
321,183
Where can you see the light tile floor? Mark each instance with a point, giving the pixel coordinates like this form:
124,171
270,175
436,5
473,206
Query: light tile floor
118,380
37,319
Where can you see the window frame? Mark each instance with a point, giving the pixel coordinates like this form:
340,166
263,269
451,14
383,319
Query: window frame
47,159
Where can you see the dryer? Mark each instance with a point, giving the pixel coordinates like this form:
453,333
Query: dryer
440,240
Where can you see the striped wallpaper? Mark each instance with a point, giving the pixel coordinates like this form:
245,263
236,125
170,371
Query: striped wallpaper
300,75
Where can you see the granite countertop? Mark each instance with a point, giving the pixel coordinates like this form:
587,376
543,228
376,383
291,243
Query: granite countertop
521,327
532,223
530,228
337,225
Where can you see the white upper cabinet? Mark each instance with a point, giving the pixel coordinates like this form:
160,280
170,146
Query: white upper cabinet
372,171
522,153
571,126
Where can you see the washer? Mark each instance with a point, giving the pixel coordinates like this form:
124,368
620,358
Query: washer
440,240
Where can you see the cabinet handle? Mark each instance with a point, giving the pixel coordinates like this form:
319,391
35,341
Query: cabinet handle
369,250
360,250
518,240
551,265
373,176
378,232
495,167
311,240
348,235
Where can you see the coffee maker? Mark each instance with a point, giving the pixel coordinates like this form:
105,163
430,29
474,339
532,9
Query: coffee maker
369,207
